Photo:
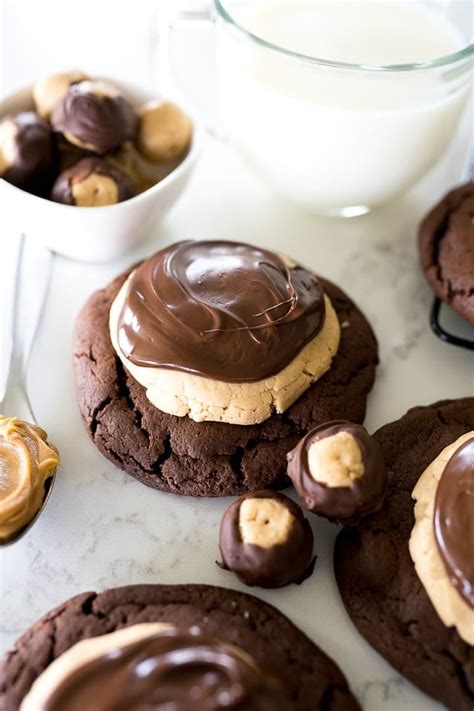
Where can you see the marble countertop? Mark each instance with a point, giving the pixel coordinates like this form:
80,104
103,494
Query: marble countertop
101,527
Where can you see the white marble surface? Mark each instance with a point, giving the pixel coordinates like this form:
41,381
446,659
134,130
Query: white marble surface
101,527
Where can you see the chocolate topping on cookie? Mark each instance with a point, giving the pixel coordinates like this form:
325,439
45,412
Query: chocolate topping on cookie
95,116
173,668
338,471
224,310
265,540
27,154
92,182
454,519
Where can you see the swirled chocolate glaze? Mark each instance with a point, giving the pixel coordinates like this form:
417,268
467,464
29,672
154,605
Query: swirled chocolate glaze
454,519
340,503
173,669
100,122
224,310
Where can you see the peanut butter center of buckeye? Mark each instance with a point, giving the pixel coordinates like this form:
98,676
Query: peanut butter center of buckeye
264,522
335,461
95,191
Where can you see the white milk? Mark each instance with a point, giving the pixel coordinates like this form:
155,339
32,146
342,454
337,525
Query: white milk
331,138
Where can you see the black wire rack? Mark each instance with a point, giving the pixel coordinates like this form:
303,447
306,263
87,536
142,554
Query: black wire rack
443,335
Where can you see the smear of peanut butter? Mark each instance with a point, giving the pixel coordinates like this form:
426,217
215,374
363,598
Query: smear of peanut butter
26,461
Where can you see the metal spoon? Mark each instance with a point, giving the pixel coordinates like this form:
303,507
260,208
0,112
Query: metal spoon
32,279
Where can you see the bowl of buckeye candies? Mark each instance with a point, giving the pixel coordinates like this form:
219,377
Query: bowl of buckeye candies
88,166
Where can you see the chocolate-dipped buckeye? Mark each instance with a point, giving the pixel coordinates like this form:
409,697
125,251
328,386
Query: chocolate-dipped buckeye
174,669
27,152
49,90
164,131
454,520
338,471
144,173
265,540
94,115
69,154
92,182
225,310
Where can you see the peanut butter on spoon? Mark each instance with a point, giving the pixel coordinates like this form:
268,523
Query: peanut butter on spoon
27,460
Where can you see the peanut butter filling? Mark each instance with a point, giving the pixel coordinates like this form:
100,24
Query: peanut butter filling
94,191
26,461
264,522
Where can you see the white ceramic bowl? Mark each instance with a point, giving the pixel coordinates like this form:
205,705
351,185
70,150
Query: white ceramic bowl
93,234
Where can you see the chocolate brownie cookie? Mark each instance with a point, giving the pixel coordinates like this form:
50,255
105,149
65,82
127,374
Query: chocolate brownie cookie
179,455
376,575
446,243
312,679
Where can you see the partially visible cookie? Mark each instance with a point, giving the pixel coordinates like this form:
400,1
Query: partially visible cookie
446,244
375,573
179,455
311,679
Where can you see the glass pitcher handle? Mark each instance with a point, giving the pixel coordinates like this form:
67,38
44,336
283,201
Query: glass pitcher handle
188,18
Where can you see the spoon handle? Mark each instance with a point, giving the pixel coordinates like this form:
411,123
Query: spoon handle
469,167
32,279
